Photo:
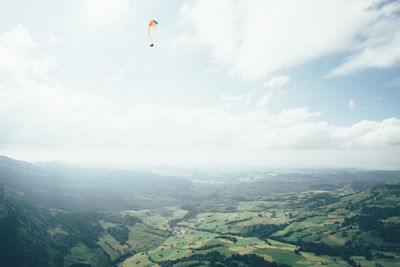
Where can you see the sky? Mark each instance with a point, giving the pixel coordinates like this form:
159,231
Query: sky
303,83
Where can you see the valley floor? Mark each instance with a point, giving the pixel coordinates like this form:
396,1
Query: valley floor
303,229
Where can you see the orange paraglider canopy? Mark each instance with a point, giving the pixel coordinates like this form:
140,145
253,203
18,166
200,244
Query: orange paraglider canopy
151,25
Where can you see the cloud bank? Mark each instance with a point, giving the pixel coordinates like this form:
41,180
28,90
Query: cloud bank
255,38
40,114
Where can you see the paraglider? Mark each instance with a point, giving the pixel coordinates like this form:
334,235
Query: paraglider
153,23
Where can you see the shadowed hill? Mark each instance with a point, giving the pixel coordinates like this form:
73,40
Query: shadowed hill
71,187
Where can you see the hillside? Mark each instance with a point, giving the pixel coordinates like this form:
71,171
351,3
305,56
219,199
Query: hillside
31,235
315,227
70,187
62,215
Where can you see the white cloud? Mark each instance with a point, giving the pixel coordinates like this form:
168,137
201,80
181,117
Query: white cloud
238,99
18,39
102,13
291,116
56,122
53,40
369,134
65,119
256,37
265,99
274,84
17,60
351,105
380,45
278,81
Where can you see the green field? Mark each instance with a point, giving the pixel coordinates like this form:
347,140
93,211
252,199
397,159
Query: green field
200,234
287,217
311,228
